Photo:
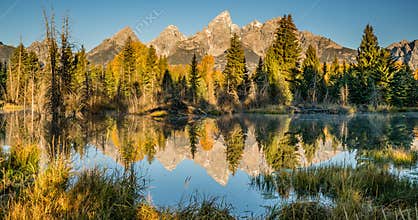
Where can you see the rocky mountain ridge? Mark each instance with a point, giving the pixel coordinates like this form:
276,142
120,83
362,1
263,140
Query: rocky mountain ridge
406,52
256,39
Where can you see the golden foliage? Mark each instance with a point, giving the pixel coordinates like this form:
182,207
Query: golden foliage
416,74
206,137
206,69
147,212
178,71
114,136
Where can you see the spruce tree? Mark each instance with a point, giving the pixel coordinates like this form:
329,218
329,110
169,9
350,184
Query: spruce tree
261,82
369,50
167,86
403,88
235,68
282,61
128,69
374,70
311,79
149,81
194,79
66,67
244,87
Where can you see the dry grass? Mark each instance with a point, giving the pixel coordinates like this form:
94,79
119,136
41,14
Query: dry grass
399,157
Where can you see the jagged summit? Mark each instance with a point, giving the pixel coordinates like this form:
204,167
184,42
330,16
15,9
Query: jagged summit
253,25
171,27
121,36
167,40
224,17
110,47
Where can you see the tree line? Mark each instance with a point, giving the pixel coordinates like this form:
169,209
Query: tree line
138,80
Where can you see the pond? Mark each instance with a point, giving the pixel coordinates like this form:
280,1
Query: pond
226,157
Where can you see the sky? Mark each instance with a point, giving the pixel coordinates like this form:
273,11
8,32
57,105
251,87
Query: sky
92,21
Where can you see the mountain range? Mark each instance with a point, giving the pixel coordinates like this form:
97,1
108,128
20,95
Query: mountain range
214,39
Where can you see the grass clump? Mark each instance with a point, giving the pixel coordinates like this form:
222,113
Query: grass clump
96,195
54,192
357,193
45,198
200,208
300,210
399,157
18,167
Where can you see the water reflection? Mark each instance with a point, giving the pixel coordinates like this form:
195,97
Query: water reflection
245,157
252,143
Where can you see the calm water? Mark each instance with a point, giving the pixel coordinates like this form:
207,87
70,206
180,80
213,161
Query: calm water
224,156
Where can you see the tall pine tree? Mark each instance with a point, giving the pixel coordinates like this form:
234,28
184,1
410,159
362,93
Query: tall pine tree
311,79
282,60
261,82
374,71
194,79
235,69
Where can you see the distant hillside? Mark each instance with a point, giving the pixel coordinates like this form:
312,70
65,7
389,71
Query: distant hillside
5,52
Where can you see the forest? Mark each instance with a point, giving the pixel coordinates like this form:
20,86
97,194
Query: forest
139,81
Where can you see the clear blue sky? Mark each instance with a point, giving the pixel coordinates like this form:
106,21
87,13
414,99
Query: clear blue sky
94,20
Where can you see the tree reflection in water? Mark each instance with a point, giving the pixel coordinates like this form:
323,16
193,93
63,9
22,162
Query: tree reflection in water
280,141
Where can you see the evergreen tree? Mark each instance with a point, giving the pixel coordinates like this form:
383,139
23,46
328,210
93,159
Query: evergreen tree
80,63
403,88
66,67
262,83
150,81
311,80
194,79
167,86
3,79
128,69
375,69
369,50
110,83
235,69
34,80
335,67
282,61
244,87
182,88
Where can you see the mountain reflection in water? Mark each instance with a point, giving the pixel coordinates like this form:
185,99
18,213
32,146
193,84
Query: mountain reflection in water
237,148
